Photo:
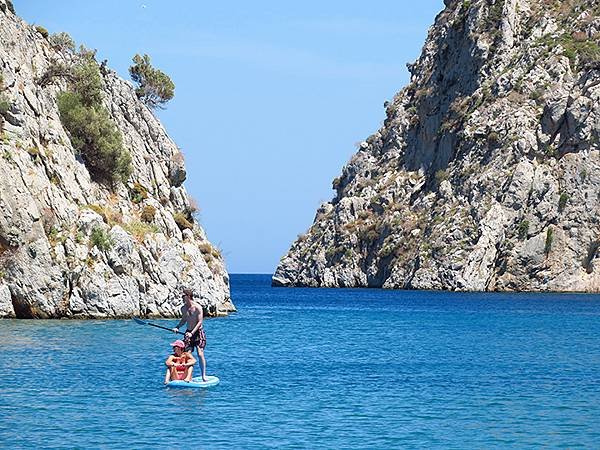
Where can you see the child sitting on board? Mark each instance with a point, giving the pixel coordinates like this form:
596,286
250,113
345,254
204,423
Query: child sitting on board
180,365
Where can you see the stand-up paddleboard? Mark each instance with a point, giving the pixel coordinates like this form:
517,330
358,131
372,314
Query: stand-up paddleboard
195,383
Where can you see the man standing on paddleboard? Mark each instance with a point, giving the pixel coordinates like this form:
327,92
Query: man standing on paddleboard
192,314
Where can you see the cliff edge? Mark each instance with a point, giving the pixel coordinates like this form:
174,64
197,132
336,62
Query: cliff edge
71,245
485,174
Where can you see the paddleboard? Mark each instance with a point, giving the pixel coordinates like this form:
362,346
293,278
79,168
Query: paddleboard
195,383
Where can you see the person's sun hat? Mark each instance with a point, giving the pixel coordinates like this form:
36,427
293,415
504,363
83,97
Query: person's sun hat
178,343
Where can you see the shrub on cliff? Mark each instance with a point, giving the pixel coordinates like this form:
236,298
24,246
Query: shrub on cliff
62,41
562,201
92,130
523,229
87,82
155,88
183,222
549,240
4,105
43,31
139,193
148,214
101,239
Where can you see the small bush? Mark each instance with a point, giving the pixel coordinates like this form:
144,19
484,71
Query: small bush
207,249
493,137
549,240
537,94
40,29
155,88
62,41
108,215
193,207
139,193
33,151
182,221
139,230
101,239
4,105
523,229
562,201
441,175
148,214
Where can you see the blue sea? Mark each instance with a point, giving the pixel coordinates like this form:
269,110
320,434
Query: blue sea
317,368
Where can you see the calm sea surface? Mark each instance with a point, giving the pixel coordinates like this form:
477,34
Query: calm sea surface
317,368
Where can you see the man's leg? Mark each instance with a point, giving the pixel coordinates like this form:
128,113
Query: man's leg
202,362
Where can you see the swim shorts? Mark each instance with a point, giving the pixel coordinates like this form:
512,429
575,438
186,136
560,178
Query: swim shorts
198,339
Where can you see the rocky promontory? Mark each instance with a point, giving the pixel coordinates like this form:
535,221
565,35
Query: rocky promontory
485,174
73,245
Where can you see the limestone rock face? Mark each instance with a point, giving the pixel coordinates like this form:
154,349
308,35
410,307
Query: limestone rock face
53,216
485,174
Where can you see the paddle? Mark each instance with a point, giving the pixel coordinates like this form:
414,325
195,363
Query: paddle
143,322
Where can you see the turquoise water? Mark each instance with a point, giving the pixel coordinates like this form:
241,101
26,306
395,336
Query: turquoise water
317,368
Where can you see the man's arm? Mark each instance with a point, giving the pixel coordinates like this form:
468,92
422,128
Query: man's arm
181,322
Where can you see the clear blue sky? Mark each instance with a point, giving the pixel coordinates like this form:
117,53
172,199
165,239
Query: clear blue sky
271,97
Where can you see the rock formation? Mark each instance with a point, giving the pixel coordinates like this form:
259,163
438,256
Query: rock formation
73,247
485,174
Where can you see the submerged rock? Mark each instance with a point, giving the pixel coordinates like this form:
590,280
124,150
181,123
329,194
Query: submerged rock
485,174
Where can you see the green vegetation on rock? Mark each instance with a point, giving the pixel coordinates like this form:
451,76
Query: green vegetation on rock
62,41
93,133
4,105
182,221
148,214
523,229
43,31
562,201
139,193
101,239
155,88
549,240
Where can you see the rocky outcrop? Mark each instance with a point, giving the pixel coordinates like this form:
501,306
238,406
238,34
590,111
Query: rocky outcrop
72,247
485,174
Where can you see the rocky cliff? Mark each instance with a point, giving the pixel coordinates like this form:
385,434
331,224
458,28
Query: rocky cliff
485,174
74,247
